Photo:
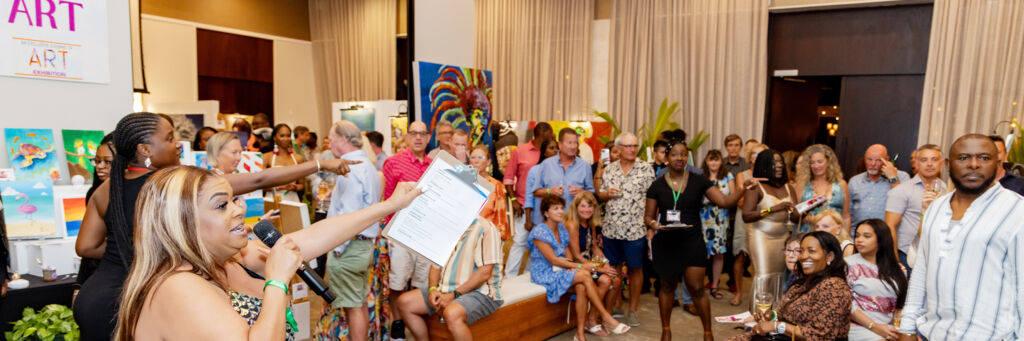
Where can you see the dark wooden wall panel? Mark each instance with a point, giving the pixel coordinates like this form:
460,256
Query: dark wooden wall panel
238,96
878,109
866,41
792,120
236,70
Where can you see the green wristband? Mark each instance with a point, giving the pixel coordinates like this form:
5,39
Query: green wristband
276,283
431,289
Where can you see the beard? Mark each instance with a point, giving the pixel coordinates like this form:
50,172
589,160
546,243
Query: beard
960,187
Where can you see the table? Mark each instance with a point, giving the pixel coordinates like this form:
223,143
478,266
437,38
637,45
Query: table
38,294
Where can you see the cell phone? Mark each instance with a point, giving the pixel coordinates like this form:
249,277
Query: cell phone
605,155
894,158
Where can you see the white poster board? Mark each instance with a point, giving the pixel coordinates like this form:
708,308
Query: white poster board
57,40
384,109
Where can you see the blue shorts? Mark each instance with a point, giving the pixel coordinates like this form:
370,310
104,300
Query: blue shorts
631,252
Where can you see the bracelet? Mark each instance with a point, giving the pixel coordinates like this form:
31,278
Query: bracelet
512,199
775,315
579,266
317,165
871,325
276,283
766,211
431,289
549,191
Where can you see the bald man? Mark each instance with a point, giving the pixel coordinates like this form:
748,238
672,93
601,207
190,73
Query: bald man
869,190
406,165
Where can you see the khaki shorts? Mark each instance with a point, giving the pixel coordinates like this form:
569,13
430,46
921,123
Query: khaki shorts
406,265
348,274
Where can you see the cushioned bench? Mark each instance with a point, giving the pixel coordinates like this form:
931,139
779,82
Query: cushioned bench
525,315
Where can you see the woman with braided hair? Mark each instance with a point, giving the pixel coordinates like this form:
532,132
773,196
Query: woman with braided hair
144,142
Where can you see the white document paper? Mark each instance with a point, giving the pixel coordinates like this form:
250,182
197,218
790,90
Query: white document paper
433,223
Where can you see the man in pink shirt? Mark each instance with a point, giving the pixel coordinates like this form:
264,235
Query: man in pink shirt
406,165
524,157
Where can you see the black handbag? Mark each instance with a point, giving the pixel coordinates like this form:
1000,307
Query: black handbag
771,337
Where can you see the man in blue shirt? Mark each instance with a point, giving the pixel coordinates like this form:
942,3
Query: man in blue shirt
869,190
348,266
565,175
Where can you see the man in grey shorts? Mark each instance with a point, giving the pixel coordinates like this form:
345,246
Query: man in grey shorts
467,289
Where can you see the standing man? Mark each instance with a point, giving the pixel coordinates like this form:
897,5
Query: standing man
734,163
660,160
406,165
302,137
376,141
524,157
460,146
623,188
348,266
905,203
260,120
968,282
443,135
868,190
1009,181
567,174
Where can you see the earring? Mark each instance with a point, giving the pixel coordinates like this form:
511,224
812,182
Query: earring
148,163
828,263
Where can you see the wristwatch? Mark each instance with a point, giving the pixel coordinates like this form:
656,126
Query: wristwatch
780,328
894,179
457,294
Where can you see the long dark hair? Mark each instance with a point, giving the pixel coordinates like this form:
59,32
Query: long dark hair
131,131
764,167
714,154
273,136
543,147
199,137
889,270
836,268
108,140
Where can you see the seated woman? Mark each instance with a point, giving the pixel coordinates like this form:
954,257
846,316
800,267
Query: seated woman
831,221
550,268
878,283
192,255
817,306
583,223
792,253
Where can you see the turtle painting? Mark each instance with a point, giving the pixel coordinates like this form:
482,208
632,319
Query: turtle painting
32,153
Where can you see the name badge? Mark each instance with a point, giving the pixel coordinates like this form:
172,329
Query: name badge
672,216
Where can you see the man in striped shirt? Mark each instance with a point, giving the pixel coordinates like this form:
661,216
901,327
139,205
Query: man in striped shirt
406,165
968,282
467,289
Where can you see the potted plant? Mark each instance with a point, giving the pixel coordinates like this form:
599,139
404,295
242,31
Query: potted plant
1015,149
53,322
648,133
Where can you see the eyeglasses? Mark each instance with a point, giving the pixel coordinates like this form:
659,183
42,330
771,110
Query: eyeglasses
98,162
445,132
478,158
419,133
630,146
789,251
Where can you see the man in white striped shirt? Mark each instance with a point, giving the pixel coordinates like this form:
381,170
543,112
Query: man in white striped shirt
968,282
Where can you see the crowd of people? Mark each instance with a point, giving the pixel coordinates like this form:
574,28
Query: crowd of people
863,259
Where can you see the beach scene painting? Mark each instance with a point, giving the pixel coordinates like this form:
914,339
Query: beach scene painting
28,208
74,212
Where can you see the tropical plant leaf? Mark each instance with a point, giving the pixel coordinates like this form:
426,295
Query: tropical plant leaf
611,120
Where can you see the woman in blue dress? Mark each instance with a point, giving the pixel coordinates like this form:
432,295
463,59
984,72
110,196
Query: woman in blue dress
818,174
550,268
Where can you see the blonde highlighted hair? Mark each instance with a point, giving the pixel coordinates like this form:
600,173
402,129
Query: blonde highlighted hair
836,217
572,218
216,144
166,237
803,168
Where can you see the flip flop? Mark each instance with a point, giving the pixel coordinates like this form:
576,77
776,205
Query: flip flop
716,294
596,330
620,329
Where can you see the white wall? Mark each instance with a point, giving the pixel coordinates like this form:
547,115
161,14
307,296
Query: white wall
172,70
36,103
444,32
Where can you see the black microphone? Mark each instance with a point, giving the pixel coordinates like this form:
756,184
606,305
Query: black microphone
269,235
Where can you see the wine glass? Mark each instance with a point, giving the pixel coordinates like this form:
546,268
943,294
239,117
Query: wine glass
763,303
322,191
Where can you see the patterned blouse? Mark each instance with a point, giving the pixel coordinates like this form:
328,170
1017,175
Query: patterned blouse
624,216
495,209
249,307
823,313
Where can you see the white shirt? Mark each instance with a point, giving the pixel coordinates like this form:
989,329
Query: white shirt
968,283
360,189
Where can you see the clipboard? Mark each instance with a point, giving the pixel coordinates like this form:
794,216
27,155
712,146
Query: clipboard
466,176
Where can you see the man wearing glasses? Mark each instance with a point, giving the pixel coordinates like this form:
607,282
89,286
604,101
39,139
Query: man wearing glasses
444,132
623,188
406,165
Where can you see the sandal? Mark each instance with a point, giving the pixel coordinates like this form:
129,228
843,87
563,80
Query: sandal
596,330
620,329
716,294
736,303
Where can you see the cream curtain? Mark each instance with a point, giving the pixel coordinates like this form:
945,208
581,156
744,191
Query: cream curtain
539,51
354,53
708,55
975,74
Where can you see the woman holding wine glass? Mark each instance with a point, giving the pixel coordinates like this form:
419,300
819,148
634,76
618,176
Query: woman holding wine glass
817,306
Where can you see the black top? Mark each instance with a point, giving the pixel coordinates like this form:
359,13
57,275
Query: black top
1013,183
690,201
130,193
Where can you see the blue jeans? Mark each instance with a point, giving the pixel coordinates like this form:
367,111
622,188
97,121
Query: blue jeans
681,291
903,260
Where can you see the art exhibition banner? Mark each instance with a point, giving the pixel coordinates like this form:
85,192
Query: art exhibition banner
55,39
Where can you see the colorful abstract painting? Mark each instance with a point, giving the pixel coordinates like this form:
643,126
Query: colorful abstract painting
74,212
364,118
252,163
33,153
201,160
79,150
459,95
28,207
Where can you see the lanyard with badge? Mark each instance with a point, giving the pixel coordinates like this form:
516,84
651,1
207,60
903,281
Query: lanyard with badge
673,216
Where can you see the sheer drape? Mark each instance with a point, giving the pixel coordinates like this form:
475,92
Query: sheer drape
708,55
353,50
975,75
539,51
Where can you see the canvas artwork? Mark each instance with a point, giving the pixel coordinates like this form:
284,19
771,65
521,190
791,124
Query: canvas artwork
252,163
28,207
459,95
200,160
398,128
364,118
74,212
79,150
187,125
33,153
